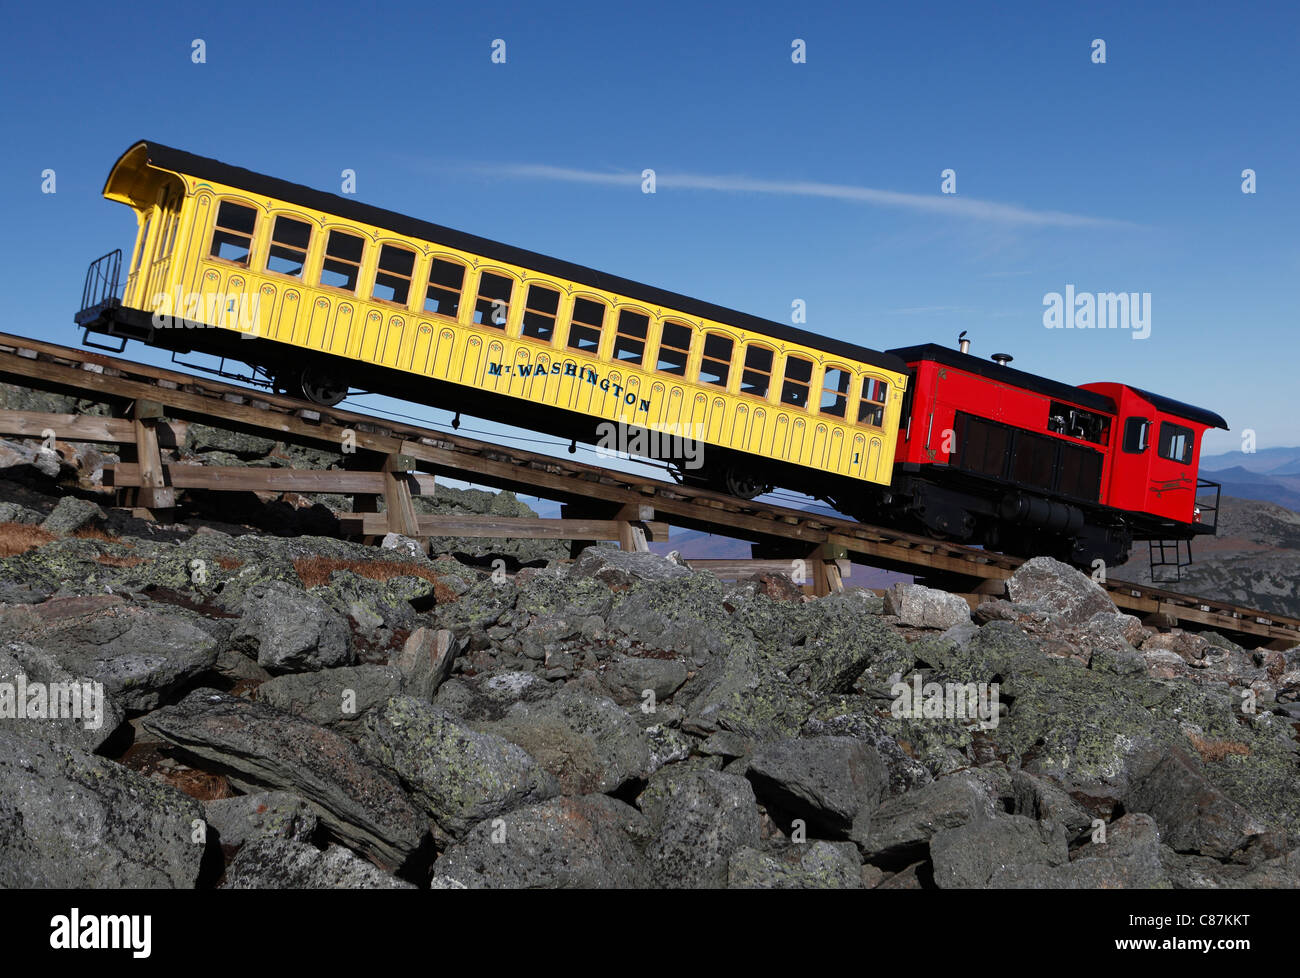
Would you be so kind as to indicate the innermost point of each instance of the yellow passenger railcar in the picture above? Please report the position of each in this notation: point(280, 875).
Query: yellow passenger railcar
point(321, 294)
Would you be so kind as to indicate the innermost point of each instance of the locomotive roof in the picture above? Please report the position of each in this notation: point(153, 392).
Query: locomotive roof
point(995, 371)
point(1053, 388)
point(1180, 410)
point(169, 158)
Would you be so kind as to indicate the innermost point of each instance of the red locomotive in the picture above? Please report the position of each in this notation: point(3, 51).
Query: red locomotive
point(1022, 464)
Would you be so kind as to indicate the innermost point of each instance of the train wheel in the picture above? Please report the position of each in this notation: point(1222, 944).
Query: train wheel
point(737, 480)
point(319, 387)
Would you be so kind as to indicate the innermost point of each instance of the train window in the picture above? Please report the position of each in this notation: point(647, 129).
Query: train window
point(446, 282)
point(629, 338)
point(798, 378)
point(170, 236)
point(585, 325)
point(493, 305)
point(835, 391)
point(342, 266)
point(715, 364)
point(233, 238)
point(871, 407)
point(144, 236)
point(393, 279)
point(1136, 433)
point(289, 240)
point(540, 310)
point(1175, 443)
point(674, 349)
point(171, 212)
point(756, 378)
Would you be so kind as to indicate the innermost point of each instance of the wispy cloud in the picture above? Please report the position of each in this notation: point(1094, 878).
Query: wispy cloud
point(947, 205)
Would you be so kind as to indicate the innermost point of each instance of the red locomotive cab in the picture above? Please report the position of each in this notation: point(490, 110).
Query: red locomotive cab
point(1155, 453)
point(1028, 465)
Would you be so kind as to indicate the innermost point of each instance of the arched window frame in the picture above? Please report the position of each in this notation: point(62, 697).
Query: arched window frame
point(807, 385)
point(821, 376)
point(881, 406)
point(426, 273)
point(259, 221)
point(560, 318)
point(705, 357)
point(375, 271)
point(770, 373)
point(509, 327)
point(313, 241)
point(363, 283)
point(658, 327)
point(570, 307)
point(616, 313)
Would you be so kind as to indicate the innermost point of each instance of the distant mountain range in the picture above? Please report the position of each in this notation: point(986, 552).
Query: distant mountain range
point(1253, 560)
point(1271, 475)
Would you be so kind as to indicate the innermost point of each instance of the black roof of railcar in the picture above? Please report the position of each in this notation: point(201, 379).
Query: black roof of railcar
point(1180, 410)
point(1049, 387)
point(169, 158)
point(1008, 375)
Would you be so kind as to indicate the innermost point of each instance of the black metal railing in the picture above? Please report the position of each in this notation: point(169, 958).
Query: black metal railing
point(102, 288)
point(1206, 514)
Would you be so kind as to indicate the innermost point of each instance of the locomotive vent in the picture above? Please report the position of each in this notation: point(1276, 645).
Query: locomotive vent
point(1002, 359)
point(962, 343)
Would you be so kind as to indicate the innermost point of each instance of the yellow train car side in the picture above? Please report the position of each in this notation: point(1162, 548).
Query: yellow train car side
point(232, 257)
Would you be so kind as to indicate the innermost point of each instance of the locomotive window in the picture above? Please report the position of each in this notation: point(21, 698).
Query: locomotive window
point(585, 325)
point(1175, 443)
point(493, 305)
point(674, 349)
point(289, 239)
point(1077, 423)
point(871, 407)
point(342, 266)
point(393, 279)
point(540, 310)
point(756, 378)
point(233, 238)
point(715, 365)
point(798, 377)
point(835, 391)
point(629, 339)
point(446, 280)
point(1136, 433)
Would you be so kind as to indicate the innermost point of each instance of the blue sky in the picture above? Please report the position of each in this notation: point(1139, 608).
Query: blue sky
point(776, 181)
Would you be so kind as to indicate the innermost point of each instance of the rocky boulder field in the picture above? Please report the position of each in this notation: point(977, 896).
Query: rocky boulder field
point(281, 708)
point(298, 711)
